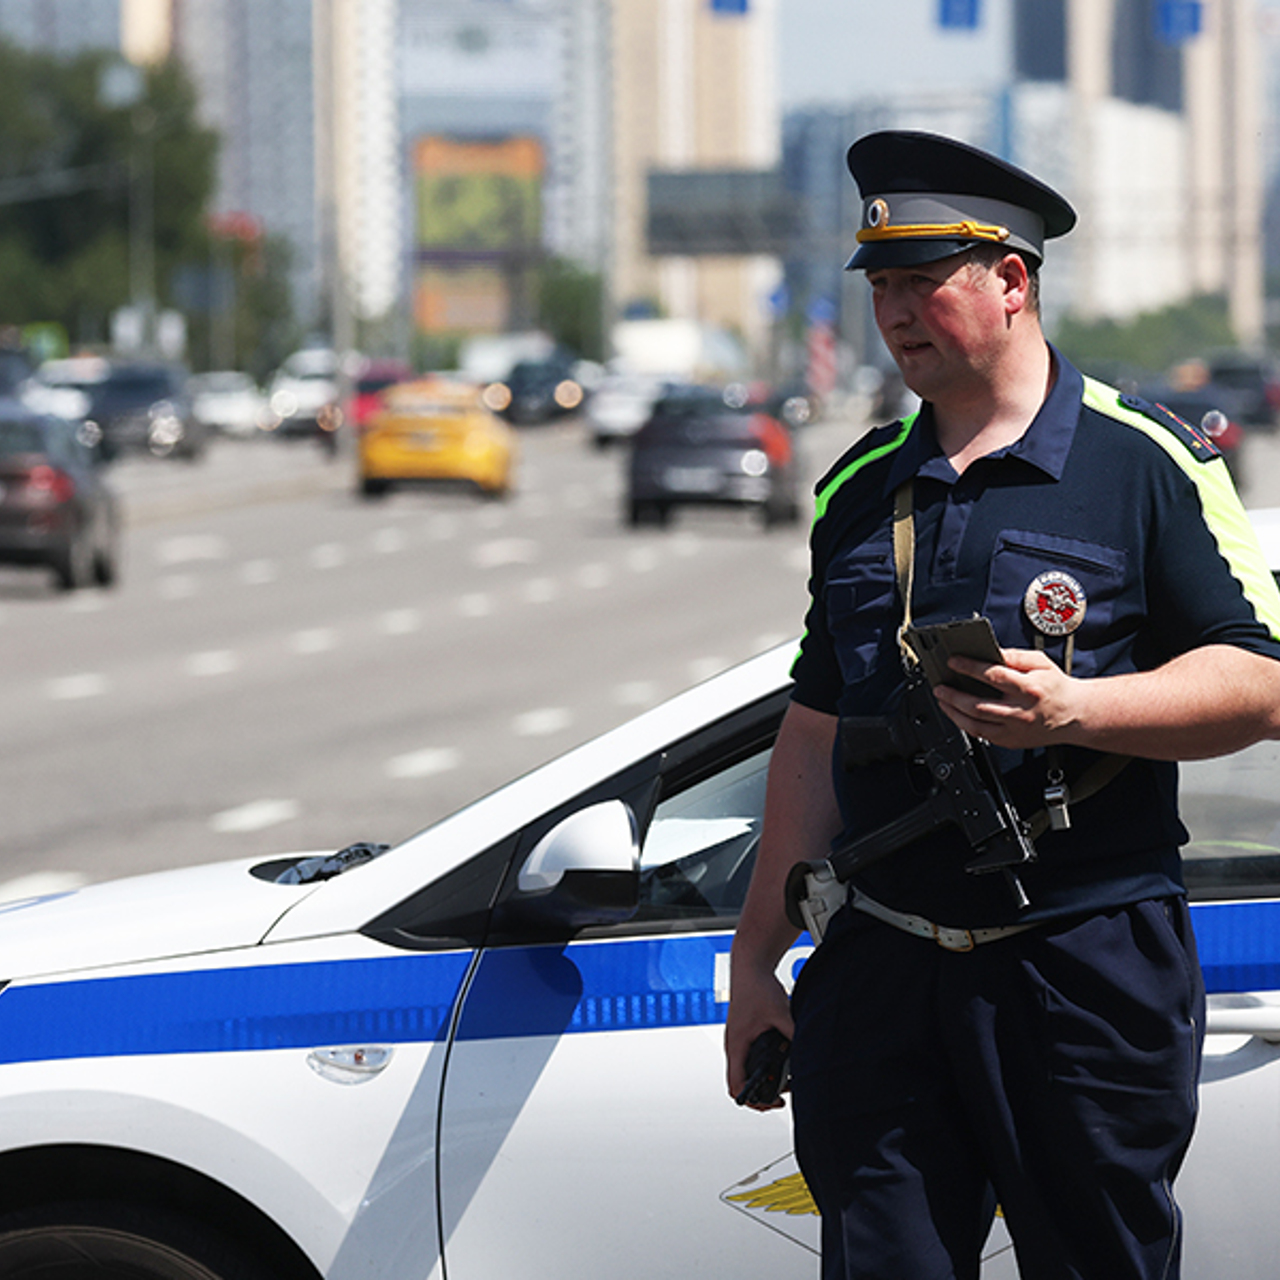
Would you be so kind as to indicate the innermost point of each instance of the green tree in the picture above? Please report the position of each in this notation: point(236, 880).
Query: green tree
point(570, 307)
point(1150, 342)
point(70, 161)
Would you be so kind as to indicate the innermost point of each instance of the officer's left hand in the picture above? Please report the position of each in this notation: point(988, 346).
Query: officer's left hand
point(1034, 706)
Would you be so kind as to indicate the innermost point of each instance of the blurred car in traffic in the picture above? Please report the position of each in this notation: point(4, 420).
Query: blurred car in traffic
point(305, 398)
point(139, 406)
point(431, 431)
point(1254, 382)
point(703, 446)
point(622, 403)
point(537, 390)
point(56, 509)
point(229, 401)
point(374, 377)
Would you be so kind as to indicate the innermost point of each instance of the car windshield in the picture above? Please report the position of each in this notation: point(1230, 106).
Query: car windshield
point(132, 386)
point(20, 437)
point(708, 423)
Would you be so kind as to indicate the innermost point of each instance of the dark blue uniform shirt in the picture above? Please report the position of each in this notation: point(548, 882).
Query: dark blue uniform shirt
point(1138, 509)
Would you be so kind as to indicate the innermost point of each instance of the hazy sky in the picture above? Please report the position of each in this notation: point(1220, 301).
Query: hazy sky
point(831, 52)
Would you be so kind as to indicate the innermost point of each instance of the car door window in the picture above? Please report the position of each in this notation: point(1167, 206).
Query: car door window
point(701, 844)
point(1231, 806)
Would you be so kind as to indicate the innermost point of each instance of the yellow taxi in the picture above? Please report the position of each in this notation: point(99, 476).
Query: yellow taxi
point(435, 429)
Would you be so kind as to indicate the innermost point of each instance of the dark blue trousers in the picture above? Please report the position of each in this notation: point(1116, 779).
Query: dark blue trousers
point(1053, 1072)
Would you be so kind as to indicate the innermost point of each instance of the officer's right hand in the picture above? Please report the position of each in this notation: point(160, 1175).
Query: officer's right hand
point(757, 1002)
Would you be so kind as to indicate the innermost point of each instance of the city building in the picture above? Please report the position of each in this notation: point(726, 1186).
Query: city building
point(62, 26)
point(695, 88)
point(252, 64)
point(1149, 116)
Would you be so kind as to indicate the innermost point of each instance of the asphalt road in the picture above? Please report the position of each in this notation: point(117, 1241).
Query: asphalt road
point(285, 666)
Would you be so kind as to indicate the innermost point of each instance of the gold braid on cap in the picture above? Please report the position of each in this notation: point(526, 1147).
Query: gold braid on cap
point(935, 231)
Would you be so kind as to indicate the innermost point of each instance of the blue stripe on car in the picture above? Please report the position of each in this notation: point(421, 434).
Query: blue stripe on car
point(622, 985)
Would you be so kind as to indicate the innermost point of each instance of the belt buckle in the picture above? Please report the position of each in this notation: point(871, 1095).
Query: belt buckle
point(942, 935)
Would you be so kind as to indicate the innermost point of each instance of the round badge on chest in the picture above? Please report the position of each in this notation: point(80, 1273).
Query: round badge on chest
point(1055, 602)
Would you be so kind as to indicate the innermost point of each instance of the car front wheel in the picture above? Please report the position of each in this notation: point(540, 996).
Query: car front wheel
point(90, 1242)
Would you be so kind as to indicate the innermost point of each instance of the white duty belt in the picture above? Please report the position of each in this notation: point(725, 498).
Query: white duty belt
point(946, 936)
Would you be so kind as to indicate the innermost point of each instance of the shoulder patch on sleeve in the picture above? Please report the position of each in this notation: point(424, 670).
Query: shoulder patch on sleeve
point(1198, 444)
point(874, 445)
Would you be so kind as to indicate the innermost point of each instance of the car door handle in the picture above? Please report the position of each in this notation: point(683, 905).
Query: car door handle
point(1261, 1020)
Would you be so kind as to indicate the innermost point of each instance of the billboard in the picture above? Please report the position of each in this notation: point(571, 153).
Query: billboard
point(477, 230)
point(478, 197)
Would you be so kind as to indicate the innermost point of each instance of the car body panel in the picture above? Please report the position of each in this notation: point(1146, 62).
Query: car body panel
point(187, 912)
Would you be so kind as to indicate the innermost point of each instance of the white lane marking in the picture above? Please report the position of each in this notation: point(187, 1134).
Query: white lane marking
point(701, 669)
point(257, 573)
point(798, 559)
point(500, 551)
point(212, 662)
point(423, 764)
point(388, 541)
point(540, 590)
point(541, 723)
point(686, 545)
point(400, 622)
point(642, 559)
point(254, 816)
point(594, 576)
point(476, 605)
point(314, 640)
point(636, 693)
point(178, 586)
point(88, 684)
point(192, 546)
point(328, 555)
point(41, 884)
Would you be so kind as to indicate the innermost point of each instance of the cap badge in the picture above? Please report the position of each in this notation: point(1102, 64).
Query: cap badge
point(878, 214)
point(1055, 603)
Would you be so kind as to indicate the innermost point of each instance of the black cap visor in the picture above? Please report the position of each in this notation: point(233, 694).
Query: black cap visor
point(907, 253)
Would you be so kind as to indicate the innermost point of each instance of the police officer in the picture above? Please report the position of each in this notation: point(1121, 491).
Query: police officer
point(957, 1044)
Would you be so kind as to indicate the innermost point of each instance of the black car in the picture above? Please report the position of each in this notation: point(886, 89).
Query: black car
point(142, 407)
point(1254, 383)
point(55, 509)
point(708, 447)
point(537, 391)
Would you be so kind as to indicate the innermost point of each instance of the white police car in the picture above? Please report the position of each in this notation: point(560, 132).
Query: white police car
point(474, 1055)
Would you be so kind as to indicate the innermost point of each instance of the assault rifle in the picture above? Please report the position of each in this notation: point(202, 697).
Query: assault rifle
point(965, 790)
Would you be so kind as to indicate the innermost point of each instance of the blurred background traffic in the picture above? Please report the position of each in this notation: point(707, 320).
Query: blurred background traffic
point(395, 392)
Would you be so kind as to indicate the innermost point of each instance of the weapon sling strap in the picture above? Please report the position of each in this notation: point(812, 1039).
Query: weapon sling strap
point(1097, 775)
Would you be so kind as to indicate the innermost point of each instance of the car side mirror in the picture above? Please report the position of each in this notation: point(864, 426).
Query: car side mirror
point(584, 871)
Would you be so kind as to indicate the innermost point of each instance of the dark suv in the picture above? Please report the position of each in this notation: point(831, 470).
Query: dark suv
point(707, 447)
